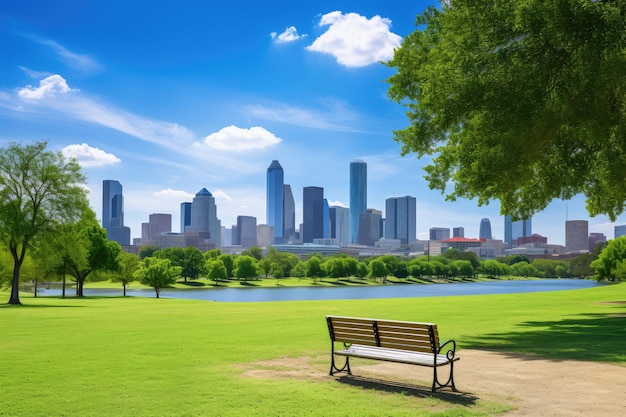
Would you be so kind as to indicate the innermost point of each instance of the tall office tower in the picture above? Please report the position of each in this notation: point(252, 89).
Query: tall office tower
point(264, 235)
point(289, 214)
point(485, 229)
point(370, 227)
point(514, 230)
point(595, 239)
point(326, 221)
point(576, 235)
point(234, 236)
point(312, 213)
point(620, 230)
point(400, 222)
point(274, 196)
point(204, 218)
point(185, 216)
point(439, 233)
point(340, 224)
point(246, 230)
point(458, 232)
point(358, 196)
point(157, 223)
point(113, 212)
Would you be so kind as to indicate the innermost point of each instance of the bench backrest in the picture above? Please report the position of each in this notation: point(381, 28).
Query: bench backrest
point(413, 336)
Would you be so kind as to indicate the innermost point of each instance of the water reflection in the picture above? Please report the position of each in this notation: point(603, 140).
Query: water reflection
point(344, 293)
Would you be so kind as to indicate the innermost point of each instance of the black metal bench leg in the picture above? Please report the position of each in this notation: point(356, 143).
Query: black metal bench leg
point(449, 383)
point(345, 368)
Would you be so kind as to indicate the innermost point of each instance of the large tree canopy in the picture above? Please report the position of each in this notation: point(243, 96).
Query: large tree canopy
point(521, 102)
point(39, 191)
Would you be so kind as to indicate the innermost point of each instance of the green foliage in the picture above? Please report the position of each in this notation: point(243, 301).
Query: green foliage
point(299, 270)
point(547, 268)
point(463, 268)
point(457, 255)
point(611, 264)
point(229, 263)
point(519, 101)
point(216, 270)
point(158, 273)
point(378, 269)
point(128, 264)
point(254, 251)
point(146, 251)
point(245, 267)
point(39, 191)
point(314, 268)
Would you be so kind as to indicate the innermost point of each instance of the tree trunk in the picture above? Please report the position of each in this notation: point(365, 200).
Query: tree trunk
point(15, 282)
point(63, 291)
point(157, 292)
point(36, 288)
point(124, 285)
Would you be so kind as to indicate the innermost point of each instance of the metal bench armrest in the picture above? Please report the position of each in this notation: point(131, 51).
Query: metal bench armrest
point(451, 350)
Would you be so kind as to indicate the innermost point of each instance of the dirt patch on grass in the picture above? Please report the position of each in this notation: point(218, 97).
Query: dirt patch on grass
point(535, 387)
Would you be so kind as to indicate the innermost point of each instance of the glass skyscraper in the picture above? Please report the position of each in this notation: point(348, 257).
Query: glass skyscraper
point(401, 219)
point(289, 213)
point(313, 214)
point(274, 195)
point(358, 196)
point(485, 229)
point(185, 216)
point(113, 212)
point(514, 230)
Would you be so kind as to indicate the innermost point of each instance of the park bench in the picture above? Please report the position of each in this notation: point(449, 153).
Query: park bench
point(389, 340)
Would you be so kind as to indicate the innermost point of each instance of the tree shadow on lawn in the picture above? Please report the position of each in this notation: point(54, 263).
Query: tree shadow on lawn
point(192, 283)
point(453, 397)
point(590, 337)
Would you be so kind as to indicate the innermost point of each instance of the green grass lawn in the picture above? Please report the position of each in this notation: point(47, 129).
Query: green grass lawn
point(167, 357)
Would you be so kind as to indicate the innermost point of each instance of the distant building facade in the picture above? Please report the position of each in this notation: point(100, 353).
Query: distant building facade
point(289, 214)
point(458, 231)
point(312, 214)
point(401, 219)
point(576, 235)
point(185, 216)
point(113, 212)
point(274, 196)
point(247, 231)
point(439, 233)
point(264, 235)
point(516, 229)
point(485, 229)
point(370, 227)
point(340, 225)
point(595, 239)
point(620, 230)
point(205, 228)
point(358, 197)
point(157, 224)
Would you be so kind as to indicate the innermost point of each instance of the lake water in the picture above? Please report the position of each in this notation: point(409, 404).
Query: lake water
point(345, 293)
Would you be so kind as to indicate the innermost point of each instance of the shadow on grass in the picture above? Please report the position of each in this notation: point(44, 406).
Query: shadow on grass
point(191, 283)
point(407, 389)
point(590, 337)
point(248, 284)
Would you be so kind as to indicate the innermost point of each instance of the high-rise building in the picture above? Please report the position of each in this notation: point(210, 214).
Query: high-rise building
point(358, 196)
point(401, 218)
point(485, 229)
point(158, 223)
point(620, 230)
point(204, 218)
point(275, 190)
point(289, 214)
point(264, 235)
point(595, 239)
point(576, 235)
point(370, 227)
point(312, 213)
point(340, 224)
point(458, 231)
point(516, 229)
point(439, 233)
point(113, 212)
point(185, 216)
point(246, 230)
point(326, 227)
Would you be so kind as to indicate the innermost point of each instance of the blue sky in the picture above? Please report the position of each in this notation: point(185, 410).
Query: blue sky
point(171, 97)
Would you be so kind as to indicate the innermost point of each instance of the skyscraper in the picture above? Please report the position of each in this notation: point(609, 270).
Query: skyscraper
point(289, 214)
point(514, 230)
point(358, 196)
point(274, 196)
point(312, 213)
point(158, 223)
point(113, 212)
point(204, 218)
point(401, 218)
point(246, 230)
point(340, 224)
point(185, 216)
point(576, 235)
point(439, 233)
point(458, 231)
point(485, 229)
point(370, 227)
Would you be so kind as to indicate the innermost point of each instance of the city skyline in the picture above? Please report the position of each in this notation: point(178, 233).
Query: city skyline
point(169, 109)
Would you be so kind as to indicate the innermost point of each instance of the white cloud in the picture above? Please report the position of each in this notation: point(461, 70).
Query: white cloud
point(48, 87)
point(34, 74)
point(354, 40)
point(79, 61)
point(88, 156)
point(221, 195)
point(289, 35)
point(337, 203)
point(233, 138)
point(336, 116)
point(174, 194)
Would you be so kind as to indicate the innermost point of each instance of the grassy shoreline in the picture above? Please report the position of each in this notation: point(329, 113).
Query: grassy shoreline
point(118, 356)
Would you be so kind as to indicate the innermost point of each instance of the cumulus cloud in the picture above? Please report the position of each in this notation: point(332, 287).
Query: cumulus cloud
point(289, 35)
point(48, 87)
point(355, 40)
point(88, 156)
point(337, 203)
point(174, 194)
point(221, 195)
point(233, 138)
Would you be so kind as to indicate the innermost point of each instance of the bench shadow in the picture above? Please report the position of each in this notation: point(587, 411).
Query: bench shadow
point(597, 337)
point(453, 397)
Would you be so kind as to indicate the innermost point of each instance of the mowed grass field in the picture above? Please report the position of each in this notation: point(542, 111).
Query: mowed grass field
point(168, 357)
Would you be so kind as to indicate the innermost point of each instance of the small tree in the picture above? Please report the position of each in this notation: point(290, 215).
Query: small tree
point(314, 268)
point(299, 270)
point(277, 271)
point(216, 270)
point(378, 269)
point(245, 267)
point(229, 263)
point(611, 263)
point(157, 273)
point(128, 264)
